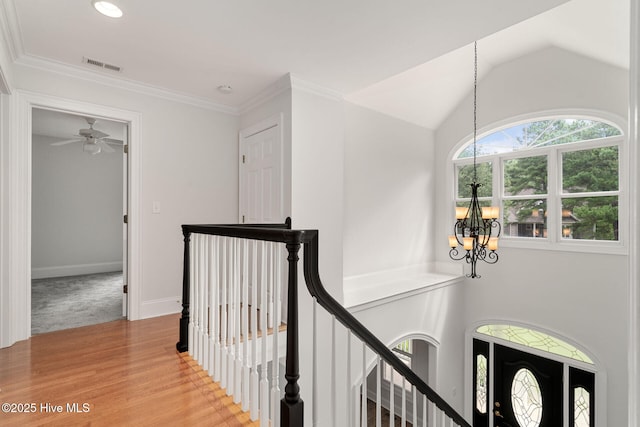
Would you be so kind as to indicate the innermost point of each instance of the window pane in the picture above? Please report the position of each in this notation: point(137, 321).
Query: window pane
point(525, 176)
point(525, 218)
point(526, 399)
point(539, 134)
point(581, 407)
point(484, 177)
point(590, 218)
point(481, 383)
point(534, 339)
point(590, 170)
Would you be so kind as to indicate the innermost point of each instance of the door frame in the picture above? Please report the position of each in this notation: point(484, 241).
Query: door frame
point(20, 164)
point(596, 368)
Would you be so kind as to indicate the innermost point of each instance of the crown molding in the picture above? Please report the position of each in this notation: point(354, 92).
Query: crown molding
point(10, 29)
point(276, 88)
point(66, 70)
point(287, 82)
point(314, 88)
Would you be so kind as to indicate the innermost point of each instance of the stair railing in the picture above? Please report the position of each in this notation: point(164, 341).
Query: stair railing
point(225, 266)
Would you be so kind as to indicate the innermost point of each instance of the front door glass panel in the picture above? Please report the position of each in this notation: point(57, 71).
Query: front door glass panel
point(526, 399)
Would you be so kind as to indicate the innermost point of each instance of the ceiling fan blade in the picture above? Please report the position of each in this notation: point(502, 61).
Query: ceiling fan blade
point(68, 141)
point(111, 141)
point(105, 147)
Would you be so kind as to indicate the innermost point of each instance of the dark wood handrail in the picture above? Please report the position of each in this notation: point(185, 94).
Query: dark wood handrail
point(314, 284)
point(291, 404)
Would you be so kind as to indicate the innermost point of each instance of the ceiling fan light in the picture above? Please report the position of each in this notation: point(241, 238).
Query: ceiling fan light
point(107, 8)
point(91, 148)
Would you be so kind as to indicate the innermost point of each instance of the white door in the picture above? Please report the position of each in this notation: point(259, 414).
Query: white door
point(261, 173)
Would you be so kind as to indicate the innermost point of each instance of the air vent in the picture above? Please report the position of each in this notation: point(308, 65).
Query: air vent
point(101, 64)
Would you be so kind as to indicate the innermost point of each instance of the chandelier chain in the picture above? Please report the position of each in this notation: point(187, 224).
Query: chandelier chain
point(475, 106)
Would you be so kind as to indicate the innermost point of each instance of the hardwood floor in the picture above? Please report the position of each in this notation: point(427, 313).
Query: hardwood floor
point(119, 373)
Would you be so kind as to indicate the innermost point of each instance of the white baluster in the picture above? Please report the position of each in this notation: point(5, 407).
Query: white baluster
point(414, 396)
point(379, 365)
point(245, 324)
point(201, 300)
point(212, 304)
point(196, 289)
point(392, 395)
point(270, 292)
point(433, 413)
point(237, 388)
point(205, 303)
point(231, 293)
point(424, 410)
point(217, 308)
point(364, 385)
point(254, 383)
point(348, 382)
point(404, 402)
point(223, 316)
point(275, 368)
point(334, 379)
point(264, 381)
point(314, 364)
point(191, 332)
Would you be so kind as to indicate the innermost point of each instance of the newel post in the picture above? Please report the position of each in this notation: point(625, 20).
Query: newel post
point(291, 406)
point(183, 344)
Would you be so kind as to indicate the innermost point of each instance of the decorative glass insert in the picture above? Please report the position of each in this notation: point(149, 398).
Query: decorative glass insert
point(541, 133)
point(526, 399)
point(481, 384)
point(534, 339)
point(581, 407)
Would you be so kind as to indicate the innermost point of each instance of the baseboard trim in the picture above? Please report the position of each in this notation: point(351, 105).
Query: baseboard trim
point(75, 270)
point(160, 307)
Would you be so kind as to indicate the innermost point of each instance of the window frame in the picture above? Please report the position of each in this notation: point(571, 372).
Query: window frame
point(555, 193)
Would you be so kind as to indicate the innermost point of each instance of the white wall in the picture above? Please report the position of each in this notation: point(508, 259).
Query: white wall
point(188, 163)
point(579, 296)
point(278, 103)
point(76, 221)
point(437, 314)
point(388, 193)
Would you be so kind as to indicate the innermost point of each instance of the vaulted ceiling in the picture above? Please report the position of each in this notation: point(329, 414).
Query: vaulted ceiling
point(411, 59)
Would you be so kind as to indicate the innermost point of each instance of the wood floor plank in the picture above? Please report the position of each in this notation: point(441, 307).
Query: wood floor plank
point(119, 373)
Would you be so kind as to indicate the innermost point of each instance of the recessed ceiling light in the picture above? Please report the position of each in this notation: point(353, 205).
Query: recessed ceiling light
point(107, 8)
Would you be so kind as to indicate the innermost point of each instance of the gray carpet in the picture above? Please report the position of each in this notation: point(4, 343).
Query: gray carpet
point(69, 302)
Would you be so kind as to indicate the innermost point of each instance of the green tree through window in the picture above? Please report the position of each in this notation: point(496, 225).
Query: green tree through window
point(588, 177)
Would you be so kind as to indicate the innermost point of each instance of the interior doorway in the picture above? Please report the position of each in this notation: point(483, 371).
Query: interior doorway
point(79, 237)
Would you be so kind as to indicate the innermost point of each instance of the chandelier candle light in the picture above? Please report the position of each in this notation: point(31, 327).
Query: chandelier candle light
point(477, 228)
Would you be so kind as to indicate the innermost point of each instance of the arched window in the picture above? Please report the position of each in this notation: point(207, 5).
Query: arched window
point(556, 180)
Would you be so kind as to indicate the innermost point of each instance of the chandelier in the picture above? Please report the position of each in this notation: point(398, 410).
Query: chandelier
point(477, 228)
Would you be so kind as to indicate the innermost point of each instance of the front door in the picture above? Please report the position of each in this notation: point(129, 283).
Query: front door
point(528, 389)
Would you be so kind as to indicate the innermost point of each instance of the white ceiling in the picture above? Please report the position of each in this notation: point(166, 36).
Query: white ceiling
point(411, 59)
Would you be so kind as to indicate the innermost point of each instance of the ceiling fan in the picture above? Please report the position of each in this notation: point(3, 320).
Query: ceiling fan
point(93, 140)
